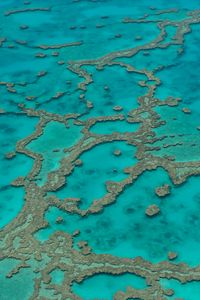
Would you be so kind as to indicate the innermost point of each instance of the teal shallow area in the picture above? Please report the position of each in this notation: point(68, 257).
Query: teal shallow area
point(113, 126)
point(20, 286)
point(170, 33)
point(174, 79)
point(55, 138)
point(88, 181)
point(56, 135)
point(107, 285)
point(189, 291)
point(46, 83)
point(12, 130)
point(123, 229)
point(152, 59)
point(114, 86)
point(179, 128)
point(11, 203)
point(57, 276)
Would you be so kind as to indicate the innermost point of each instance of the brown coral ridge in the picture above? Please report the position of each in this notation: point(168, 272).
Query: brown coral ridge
point(72, 44)
point(29, 9)
point(78, 265)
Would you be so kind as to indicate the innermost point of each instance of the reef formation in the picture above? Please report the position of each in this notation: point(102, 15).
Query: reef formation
point(70, 123)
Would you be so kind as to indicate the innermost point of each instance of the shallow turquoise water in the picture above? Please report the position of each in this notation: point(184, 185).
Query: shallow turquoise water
point(56, 136)
point(170, 33)
point(20, 286)
point(13, 129)
point(121, 229)
point(57, 276)
point(88, 182)
point(107, 285)
point(116, 126)
point(174, 229)
point(155, 58)
point(182, 290)
point(11, 204)
point(122, 89)
point(179, 128)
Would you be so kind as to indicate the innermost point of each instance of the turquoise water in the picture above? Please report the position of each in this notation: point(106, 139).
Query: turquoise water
point(182, 290)
point(122, 90)
point(175, 229)
point(57, 276)
point(20, 286)
point(149, 59)
point(98, 77)
point(170, 33)
point(88, 182)
point(107, 285)
point(13, 129)
point(116, 126)
point(56, 136)
point(11, 204)
point(179, 128)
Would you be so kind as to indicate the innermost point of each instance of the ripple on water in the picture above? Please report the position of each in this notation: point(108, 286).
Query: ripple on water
point(179, 128)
